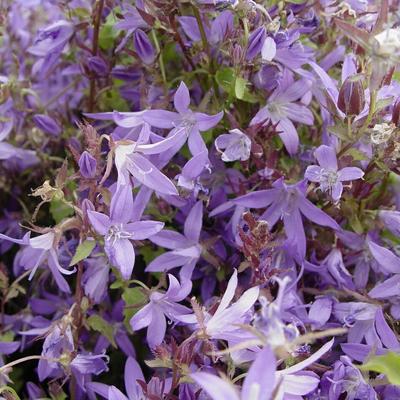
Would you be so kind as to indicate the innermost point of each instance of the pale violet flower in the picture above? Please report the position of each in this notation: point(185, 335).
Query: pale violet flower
point(233, 146)
point(327, 173)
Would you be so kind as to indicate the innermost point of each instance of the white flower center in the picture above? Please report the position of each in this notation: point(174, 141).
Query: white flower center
point(116, 232)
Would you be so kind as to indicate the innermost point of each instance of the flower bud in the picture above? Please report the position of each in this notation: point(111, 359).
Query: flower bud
point(237, 54)
point(87, 165)
point(143, 47)
point(351, 98)
point(47, 124)
point(256, 42)
point(97, 65)
point(396, 113)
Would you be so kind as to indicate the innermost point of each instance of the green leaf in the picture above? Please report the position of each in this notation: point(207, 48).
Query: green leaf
point(83, 251)
point(100, 325)
point(225, 78)
point(388, 364)
point(59, 210)
point(9, 392)
point(108, 34)
point(240, 87)
point(134, 299)
point(356, 154)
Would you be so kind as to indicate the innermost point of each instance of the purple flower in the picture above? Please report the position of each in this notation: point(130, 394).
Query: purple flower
point(161, 306)
point(192, 122)
point(233, 146)
point(328, 175)
point(283, 108)
point(118, 231)
point(224, 323)
point(52, 39)
point(287, 202)
point(38, 250)
point(130, 160)
point(186, 248)
point(134, 390)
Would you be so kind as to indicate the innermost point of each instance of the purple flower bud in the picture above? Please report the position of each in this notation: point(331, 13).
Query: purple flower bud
point(396, 113)
point(87, 165)
point(237, 54)
point(47, 124)
point(97, 65)
point(143, 47)
point(351, 98)
point(256, 41)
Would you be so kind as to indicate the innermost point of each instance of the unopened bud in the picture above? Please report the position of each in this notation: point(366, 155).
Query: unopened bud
point(396, 113)
point(97, 65)
point(256, 41)
point(237, 54)
point(87, 165)
point(351, 98)
point(47, 124)
point(143, 47)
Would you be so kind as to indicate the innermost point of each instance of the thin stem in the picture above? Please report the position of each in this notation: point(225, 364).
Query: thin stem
point(160, 59)
point(22, 360)
point(95, 48)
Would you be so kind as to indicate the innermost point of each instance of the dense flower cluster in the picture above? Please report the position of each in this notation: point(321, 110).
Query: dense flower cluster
point(200, 199)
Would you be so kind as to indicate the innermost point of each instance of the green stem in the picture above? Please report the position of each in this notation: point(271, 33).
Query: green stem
point(160, 59)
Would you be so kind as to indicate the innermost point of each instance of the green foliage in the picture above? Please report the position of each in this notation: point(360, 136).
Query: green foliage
point(83, 251)
point(98, 324)
point(59, 210)
point(234, 85)
point(134, 299)
point(108, 34)
point(388, 364)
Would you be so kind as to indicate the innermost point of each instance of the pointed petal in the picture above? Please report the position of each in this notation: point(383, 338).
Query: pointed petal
point(121, 204)
point(259, 199)
point(99, 221)
point(182, 99)
point(215, 387)
point(167, 261)
point(314, 214)
point(170, 239)
point(229, 293)
point(163, 145)
point(157, 328)
point(288, 134)
point(295, 232)
point(299, 384)
point(148, 174)
point(194, 222)
point(390, 287)
point(132, 374)
point(326, 157)
point(261, 376)
point(141, 230)
point(124, 257)
point(161, 118)
point(196, 143)
point(206, 122)
point(388, 261)
point(115, 394)
point(142, 318)
point(350, 173)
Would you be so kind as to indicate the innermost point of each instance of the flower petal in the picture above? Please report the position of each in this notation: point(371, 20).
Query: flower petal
point(182, 99)
point(215, 387)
